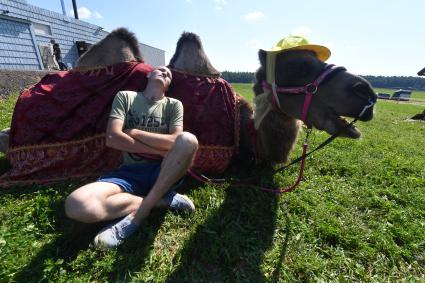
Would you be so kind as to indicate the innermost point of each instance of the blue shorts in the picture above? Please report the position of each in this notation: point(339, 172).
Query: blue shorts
point(138, 178)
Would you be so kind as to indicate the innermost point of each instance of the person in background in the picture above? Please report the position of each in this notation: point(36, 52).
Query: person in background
point(57, 53)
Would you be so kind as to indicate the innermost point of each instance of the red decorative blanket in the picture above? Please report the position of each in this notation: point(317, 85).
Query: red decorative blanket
point(58, 125)
point(211, 113)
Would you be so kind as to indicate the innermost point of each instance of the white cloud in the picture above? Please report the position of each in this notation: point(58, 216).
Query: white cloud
point(84, 13)
point(303, 31)
point(97, 15)
point(254, 16)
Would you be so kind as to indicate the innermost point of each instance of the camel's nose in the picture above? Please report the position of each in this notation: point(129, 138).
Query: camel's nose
point(364, 90)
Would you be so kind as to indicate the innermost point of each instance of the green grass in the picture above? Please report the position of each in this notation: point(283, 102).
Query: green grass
point(245, 90)
point(359, 216)
point(6, 110)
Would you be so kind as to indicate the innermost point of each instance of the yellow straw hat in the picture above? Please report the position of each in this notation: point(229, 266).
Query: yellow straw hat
point(292, 42)
point(295, 42)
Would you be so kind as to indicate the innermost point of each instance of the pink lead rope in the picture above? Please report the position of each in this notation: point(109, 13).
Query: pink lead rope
point(300, 175)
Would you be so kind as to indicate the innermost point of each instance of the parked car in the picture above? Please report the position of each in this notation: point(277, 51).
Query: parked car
point(401, 95)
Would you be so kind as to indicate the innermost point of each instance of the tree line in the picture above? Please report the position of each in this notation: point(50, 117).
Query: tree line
point(394, 82)
point(238, 77)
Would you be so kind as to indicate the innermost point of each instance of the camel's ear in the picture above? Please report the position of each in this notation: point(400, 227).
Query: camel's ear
point(262, 55)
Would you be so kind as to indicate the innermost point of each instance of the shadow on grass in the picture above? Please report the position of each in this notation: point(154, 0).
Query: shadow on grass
point(278, 269)
point(77, 239)
point(49, 217)
point(138, 246)
point(4, 164)
point(230, 245)
point(64, 248)
point(74, 238)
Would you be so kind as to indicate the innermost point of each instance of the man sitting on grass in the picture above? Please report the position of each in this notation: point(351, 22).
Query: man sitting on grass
point(146, 123)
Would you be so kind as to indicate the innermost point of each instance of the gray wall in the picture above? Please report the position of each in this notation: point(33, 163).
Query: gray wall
point(17, 50)
point(19, 39)
point(153, 56)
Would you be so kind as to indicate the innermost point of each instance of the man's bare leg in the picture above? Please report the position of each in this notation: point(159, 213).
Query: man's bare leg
point(174, 166)
point(100, 201)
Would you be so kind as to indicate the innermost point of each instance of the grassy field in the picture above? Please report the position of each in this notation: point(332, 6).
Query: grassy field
point(358, 217)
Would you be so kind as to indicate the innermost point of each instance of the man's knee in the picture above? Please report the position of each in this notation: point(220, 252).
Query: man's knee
point(187, 143)
point(73, 207)
point(77, 208)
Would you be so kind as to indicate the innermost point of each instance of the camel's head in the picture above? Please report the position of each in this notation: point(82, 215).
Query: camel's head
point(341, 94)
point(190, 56)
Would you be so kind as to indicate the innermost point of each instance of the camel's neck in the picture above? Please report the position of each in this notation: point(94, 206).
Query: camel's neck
point(276, 137)
point(277, 131)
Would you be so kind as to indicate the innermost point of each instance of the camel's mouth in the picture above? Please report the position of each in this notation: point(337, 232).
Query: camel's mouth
point(338, 124)
point(347, 130)
point(365, 115)
point(341, 125)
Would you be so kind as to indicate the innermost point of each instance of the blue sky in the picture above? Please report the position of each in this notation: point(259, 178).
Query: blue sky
point(368, 37)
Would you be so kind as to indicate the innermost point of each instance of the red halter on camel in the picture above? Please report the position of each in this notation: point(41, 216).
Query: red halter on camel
point(309, 90)
point(288, 44)
point(270, 95)
point(270, 87)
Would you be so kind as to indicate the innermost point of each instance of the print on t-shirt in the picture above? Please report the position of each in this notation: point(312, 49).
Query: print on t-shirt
point(145, 122)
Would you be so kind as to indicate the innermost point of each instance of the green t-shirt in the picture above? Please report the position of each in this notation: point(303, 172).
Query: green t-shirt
point(141, 113)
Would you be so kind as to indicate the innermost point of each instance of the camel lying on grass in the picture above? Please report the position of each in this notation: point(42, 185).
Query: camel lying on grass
point(283, 80)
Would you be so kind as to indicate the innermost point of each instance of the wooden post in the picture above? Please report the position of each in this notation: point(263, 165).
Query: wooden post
point(74, 5)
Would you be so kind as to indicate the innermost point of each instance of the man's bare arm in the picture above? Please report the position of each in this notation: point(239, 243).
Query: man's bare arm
point(158, 141)
point(117, 139)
